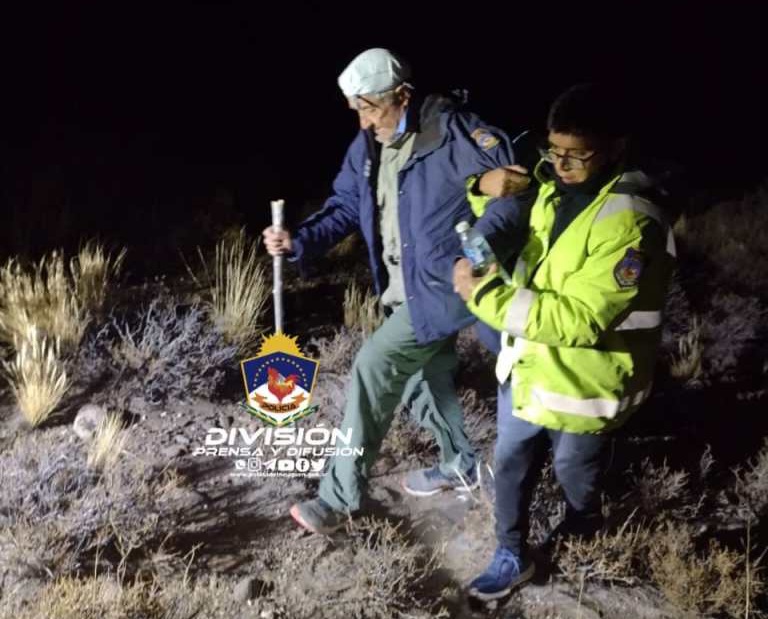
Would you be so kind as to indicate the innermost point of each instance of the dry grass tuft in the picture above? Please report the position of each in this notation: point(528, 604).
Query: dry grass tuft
point(751, 486)
point(43, 297)
point(37, 376)
point(349, 248)
point(336, 354)
point(687, 364)
point(58, 514)
point(663, 492)
point(106, 597)
point(108, 443)
point(712, 580)
point(718, 580)
point(237, 290)
point(616, 558)
point(361, 309)
point(92, 270)
point(167, 350)
point(103, 598)
point(378, 574)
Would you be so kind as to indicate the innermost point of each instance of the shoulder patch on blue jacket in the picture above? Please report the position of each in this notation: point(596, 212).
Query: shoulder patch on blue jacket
point(628, 270)
point(484, 138)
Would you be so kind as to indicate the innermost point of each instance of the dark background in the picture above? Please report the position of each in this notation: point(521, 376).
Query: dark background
point(159, 127)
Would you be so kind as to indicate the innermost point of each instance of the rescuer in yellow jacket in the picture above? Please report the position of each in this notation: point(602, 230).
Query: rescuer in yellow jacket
point(580, 320)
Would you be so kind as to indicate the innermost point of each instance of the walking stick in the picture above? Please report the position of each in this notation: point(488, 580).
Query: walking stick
point(277, 267)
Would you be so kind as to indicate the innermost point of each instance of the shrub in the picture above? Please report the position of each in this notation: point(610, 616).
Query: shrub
point(37, 376)
point(58, 514)
point(662, 492)
point(167, 351)
point(617, 557)
point(751, 486)
point(730, 327)
point(44, 298)
point(104, 450)
point(92, 270)
point(378, 574)
point(718, 580)
point(237, 291)
point(686, 365)
point(361, 309)
point(336, 354)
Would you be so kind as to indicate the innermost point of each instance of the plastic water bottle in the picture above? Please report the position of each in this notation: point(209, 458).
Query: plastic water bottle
point(477, 250)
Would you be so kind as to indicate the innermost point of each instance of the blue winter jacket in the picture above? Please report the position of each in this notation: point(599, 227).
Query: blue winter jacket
point(450, 146)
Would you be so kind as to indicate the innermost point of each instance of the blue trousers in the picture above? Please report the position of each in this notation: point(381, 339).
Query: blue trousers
point(520, 447)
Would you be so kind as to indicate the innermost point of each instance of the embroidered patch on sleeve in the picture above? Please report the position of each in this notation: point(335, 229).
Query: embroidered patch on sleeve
point(627, 272)
point(484, 138)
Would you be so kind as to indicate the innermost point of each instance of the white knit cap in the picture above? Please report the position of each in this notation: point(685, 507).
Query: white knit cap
point(375, 70)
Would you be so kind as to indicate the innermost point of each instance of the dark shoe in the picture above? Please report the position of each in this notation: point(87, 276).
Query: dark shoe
point(426, 482)
point(506, 571)
point(317, 516)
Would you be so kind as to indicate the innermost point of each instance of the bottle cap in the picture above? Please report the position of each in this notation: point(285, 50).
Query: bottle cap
point(462, 226)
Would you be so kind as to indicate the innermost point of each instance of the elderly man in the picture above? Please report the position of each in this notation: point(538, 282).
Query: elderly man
point(581, 317)
point(403, 186)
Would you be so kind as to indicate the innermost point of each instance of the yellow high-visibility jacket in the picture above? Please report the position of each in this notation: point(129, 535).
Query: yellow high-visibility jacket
point(581, 319)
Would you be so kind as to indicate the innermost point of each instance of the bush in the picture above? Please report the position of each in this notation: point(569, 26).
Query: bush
point(44, 298)
point(717, 580)
point(166, 351)
point(92, 270)
point(362, 310)
point(337, 353)
point(686, 365)
point(378, 574)
point(751, 487)
point(37, 376)
point(730, 329)
point(237, 291)
point(105, 597)
point(58, 513)
point(663, 493)
point(616, 558)
point(108, 442)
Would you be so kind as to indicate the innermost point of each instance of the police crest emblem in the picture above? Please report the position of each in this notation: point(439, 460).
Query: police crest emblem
point(279, 381)
point(628, 270)
point(484, 138)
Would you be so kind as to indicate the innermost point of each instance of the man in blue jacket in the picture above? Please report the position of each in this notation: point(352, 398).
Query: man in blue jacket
point(403, 186)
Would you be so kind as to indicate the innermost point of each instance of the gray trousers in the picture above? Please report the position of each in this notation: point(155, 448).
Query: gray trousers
point(392, 367)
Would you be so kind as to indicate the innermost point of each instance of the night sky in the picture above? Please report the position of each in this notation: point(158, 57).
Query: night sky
point(132, 122)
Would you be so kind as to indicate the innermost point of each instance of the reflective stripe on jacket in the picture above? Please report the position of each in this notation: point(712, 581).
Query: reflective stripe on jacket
point(581, 320)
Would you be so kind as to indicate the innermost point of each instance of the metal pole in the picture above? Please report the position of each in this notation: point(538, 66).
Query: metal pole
point(277, 267)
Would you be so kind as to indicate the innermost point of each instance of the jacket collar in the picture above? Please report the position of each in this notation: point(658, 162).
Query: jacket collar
point(427, 118)
point(424, 117)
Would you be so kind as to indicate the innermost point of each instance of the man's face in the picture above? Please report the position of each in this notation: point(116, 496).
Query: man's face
point(380, 114)
point(576, 158)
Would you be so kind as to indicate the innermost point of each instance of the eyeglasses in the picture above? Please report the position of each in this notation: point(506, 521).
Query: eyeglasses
point(574, 163)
